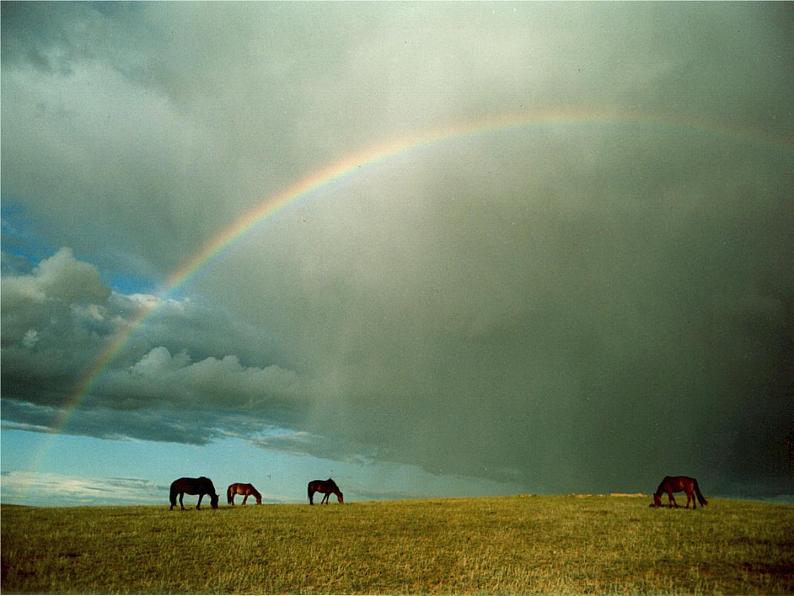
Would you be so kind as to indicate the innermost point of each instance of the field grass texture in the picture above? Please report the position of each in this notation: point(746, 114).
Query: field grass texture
point(550, 544)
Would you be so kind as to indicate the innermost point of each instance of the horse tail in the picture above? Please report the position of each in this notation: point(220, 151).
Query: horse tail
point(172, 494)
point(229, 494)
point(310, 492)
point(701, 499)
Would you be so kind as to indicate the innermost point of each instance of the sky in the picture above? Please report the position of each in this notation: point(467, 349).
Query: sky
point(428, 249)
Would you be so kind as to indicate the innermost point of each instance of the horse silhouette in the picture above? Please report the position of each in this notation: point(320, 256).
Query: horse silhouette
point(239, 488)
point(324, 486)
point(193, 486)
point(678, 484)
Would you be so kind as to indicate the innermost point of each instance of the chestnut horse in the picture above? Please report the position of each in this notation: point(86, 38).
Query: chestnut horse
point(193, 486)
point(248, 490)
point(327, 487)
point(678, 484)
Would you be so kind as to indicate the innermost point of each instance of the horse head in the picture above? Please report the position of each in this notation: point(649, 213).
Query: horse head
point(657, 501)
point(214, 500)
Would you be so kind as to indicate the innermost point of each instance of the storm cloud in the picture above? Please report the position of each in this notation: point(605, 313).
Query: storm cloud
point(567, 305)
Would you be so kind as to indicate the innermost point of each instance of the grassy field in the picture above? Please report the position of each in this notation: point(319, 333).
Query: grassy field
point(508, 544)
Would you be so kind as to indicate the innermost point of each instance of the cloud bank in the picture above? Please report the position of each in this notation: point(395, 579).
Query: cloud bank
point(40, 488)
point(59, 318)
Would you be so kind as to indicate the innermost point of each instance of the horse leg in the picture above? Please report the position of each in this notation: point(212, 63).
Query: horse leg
point(691, 497)
point(671, 500)
point(326, 497)
point(245, 498)
point(198, 505)
point(181, 496)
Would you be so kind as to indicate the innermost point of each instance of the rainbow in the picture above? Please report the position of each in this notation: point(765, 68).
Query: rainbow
point(310, 184)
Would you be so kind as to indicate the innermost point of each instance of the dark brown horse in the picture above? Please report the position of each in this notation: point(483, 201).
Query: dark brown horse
point(678, 484)
point(248, 490)
point(327, 487)
point(193, 486)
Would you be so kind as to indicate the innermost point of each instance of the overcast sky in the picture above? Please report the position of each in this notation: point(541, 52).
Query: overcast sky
point(581, 304)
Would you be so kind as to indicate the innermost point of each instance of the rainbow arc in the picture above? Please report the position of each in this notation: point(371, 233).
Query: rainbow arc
point(311, 185)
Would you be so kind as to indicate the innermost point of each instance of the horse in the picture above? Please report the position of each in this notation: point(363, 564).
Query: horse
point(193, 486)
point(678, 484)
point(238, 488)
point(327, 487)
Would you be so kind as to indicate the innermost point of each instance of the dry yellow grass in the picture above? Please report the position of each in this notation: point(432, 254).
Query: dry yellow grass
point(489, 545)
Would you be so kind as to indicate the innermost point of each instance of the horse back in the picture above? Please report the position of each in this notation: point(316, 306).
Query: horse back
point(317, 486)
point(682, 483)
point(206, 485)
point(676, 484)
point(178, 485)
point(193, 486)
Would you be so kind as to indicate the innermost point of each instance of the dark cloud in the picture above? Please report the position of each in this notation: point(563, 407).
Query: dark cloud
point(567, 306)
point(563, 329)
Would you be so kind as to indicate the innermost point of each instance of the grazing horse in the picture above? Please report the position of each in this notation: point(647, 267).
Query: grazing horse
point(193, 486)
point(678, 484)
point(324, 486)
point(238, 488)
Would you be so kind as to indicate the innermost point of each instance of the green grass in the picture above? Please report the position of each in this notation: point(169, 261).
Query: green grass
point(488, 545)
